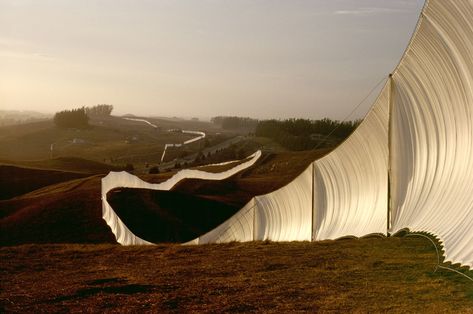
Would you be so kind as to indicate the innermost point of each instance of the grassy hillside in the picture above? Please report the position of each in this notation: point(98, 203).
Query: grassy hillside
point(69, 212)
point(108, 139)
point(68, 164)
point(15, 181)
point(352, 275)
point(394, 275)
point(98, 142)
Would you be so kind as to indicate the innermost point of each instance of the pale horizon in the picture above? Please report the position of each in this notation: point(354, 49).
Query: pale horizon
point(261, 59)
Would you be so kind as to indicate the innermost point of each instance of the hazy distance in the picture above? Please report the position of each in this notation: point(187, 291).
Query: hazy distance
point(257, 58)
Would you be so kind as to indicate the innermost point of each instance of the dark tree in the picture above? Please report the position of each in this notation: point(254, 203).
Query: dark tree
point(99, 110)
point(233, 123)
point(75, 118)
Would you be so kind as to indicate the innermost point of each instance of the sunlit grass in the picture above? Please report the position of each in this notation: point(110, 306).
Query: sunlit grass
point(368, 275)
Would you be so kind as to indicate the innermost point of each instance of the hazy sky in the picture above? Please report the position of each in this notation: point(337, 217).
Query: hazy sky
point(259, 58)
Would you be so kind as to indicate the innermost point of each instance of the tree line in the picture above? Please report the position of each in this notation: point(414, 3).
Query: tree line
point(235, 123)
point(293, 134)
point(79, 118)
point(304, 134)
point(75, 118)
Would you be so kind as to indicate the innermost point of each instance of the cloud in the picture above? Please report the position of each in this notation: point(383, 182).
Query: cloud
point(25, 55)
point(11, 42)
point(20, 49)
point(368, 11)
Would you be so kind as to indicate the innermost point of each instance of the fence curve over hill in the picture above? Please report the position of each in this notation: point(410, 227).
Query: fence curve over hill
point(409, 165)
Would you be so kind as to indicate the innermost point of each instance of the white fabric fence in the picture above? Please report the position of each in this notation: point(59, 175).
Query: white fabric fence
point(432, 125)
point(408, 165)
point(123, 179)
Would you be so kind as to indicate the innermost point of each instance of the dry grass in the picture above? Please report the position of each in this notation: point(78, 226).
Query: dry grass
point(367, 275)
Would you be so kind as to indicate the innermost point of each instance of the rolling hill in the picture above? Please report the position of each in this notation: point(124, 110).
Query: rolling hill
point(16, 181)
point(38, 227)
point(71, 211)
point(111, 140)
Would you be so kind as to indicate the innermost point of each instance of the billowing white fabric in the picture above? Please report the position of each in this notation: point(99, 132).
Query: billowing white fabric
point(286, 214)
point(351, 183)
point(113, 180)
point(419, 131)
point(349, 196)
point(432, 125)
point(264, 217)
point(123, 179)
point(282, 215)
point(240, 227)
point(430, 150)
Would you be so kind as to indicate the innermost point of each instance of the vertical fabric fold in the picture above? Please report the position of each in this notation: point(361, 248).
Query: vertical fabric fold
point(432, 144)
point(351, 183)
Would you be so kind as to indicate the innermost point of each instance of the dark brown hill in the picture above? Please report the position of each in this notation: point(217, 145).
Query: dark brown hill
point(168, 216)
point(15, 181)
point(70, 164)
point(69, 212)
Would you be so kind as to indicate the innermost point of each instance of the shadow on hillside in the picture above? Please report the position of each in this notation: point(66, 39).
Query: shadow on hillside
point(168, 216)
